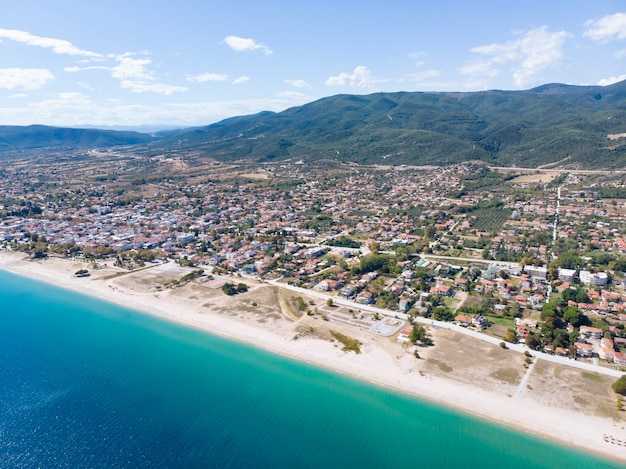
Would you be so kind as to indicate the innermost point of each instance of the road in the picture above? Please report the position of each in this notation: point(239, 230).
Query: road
point(520, 348)
point(572, 171)
point(471, 259)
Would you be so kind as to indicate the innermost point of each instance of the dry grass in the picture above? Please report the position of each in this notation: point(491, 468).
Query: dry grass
point(530, 178)
point(308, 331)
point(473, 362)
point(572, 389)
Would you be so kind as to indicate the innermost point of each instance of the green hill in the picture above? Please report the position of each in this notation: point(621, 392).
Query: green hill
point(45, 137)
point(549, 124)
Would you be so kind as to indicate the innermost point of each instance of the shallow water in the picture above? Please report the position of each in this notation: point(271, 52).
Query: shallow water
point(90, 384)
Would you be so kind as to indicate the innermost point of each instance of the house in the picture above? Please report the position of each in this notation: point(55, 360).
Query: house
point(620, 359)
point(560, 351)
point(564, 286)
point(404, 304)
point(444, 290)
point(463, 320)
point(607, 354)
point(480, 322)
point(522, 331)
point(324, 285)
point(590, 332)
point(584, 350)
point(365, 298)
point(405, 335)
point(461, 282)
point(408, 275)
point(348, 291)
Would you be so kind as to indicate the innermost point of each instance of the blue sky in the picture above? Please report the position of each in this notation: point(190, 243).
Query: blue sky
point(185, 63)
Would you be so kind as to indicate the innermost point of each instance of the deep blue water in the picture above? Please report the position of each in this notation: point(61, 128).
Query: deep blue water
point(88, 384)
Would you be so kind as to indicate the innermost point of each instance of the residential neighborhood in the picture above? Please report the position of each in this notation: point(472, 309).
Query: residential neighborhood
point(540, 259)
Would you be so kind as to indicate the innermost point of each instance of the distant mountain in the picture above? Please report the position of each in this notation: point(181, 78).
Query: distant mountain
point(144, 129)
point(575, 126)
point(44, 137)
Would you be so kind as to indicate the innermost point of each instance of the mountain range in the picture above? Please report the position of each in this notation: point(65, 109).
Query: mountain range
point(15, 138)
point(553, 124)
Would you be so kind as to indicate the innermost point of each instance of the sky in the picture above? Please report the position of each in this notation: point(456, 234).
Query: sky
point(192, 62)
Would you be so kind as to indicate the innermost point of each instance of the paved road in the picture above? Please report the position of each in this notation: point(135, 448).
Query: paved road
point(520, 348)
point(470, 259)
point(546, 170)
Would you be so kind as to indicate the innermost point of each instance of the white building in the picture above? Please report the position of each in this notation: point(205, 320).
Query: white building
point(596, 279)
point(537, 272)
point(567, 275)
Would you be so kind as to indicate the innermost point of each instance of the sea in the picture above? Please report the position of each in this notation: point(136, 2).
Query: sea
point(88, 384)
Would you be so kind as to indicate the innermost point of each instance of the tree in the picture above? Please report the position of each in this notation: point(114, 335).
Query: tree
point(329, 302)
point(620, 264)
point(549, 309)
point(579, 295)
point(441, 313)
point(619, 386)
point(561, 339)
point(574, 316)
point(533, 342)
point(569, 260)
point(511, 336)
point(419, 334)
point(229, 289)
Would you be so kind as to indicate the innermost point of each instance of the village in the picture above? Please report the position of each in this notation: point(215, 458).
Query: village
point(533, 258)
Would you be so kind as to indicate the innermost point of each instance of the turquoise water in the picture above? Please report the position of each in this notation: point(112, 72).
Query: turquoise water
point(89, 384)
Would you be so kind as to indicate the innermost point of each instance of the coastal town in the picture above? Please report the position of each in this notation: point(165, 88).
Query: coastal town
point(503, 286)
point(537, 258)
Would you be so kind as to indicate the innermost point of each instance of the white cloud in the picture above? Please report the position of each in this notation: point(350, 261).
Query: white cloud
point(611, 80)
point(18, 96)
point(24, 78)
point(241, 44)
point(607, 28)
point(298, 83)
point(58, 46)
point(130, 68)
point(529, 55)
point(241, 79)
point(82, 69)
point(135, 76)
point(207, 77)
point(74, 109)
point(620, 54)
point(361, 77)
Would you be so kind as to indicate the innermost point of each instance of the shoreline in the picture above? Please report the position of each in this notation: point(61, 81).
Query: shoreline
point(375, 365)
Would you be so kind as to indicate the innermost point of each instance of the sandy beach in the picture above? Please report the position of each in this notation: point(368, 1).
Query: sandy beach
point(556, 402)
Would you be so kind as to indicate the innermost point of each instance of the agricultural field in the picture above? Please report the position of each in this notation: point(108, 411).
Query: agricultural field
point(490, 218)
